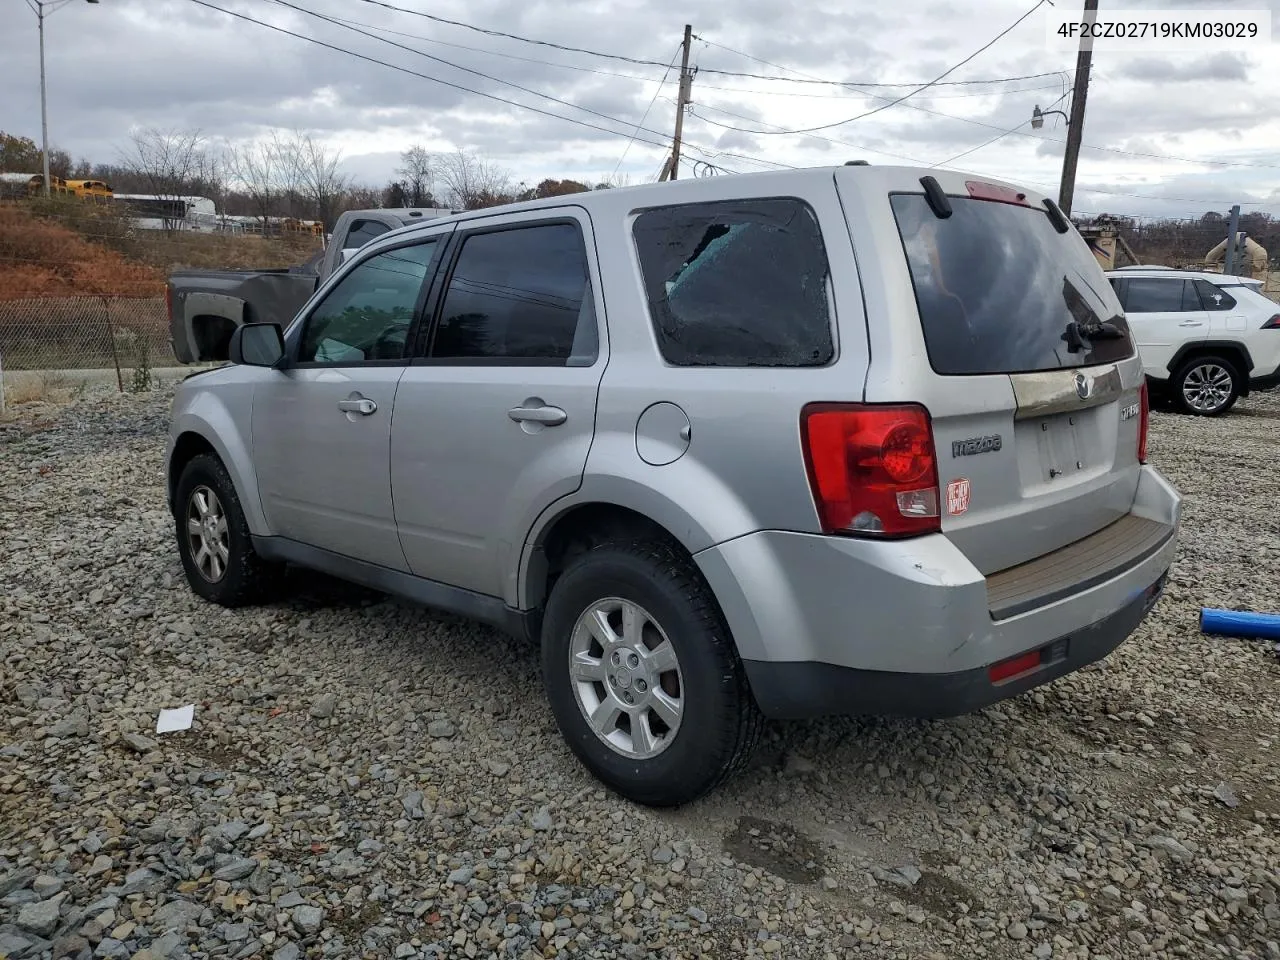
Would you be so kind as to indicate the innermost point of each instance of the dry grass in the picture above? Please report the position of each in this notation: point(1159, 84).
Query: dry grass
point(23, 389)
point(68, 248)
point(39, 258)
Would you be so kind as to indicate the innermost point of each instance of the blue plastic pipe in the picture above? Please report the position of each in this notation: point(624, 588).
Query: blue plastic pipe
point(1233, 623)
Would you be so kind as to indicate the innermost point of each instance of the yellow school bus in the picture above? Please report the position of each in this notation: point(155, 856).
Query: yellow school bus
point(90, 189)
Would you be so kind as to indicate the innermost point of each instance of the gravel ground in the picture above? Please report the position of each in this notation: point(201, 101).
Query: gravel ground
point(368, 779)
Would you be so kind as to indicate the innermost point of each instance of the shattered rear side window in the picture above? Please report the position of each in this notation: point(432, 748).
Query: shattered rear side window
point(740, 283)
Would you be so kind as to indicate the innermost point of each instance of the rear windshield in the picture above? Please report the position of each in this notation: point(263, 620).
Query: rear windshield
point(1001, 291)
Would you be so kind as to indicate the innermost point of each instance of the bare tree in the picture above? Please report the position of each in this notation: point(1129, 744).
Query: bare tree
point(417, 169)
point(171, 163)
point(167, 160)
point(472, 181)
point(313, 168)
point(256, 168)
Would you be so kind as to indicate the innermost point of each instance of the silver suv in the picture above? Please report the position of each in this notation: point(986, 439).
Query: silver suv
point(852, 440)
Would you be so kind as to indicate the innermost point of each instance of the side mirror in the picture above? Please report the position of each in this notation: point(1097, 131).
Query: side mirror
point(257, 345)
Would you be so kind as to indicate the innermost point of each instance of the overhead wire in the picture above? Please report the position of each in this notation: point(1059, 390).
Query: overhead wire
point(447, 83)
point(998, 136)
point(465, 69)
point(924, 86)
point(384, 4)
point(664, 143)
point(1010, 132)
point(645, 115)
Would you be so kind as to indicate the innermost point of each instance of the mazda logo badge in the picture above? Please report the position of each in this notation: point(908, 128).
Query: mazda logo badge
point(1084, 386)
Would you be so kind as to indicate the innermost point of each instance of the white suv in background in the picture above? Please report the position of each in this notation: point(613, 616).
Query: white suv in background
point(1205, 338)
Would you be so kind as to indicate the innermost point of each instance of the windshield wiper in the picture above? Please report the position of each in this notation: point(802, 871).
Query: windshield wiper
point(1077, 333)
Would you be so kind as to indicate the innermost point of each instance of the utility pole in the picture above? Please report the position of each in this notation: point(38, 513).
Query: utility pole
point(1229, 264)
point(38, 6)
point(682, 101)
point(1075, 125)
point(44, 113)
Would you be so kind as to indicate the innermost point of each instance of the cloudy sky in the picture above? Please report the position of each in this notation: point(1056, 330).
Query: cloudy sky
point(179, 64)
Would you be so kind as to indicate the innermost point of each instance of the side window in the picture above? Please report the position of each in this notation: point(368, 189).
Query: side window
point(1214, 297)
point(1159, 295)
point(362, 231)
point(737, 284)
point(366, 316)
point(520, 293)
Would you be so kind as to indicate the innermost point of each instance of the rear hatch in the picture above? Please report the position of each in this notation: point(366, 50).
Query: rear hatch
point(995, 314)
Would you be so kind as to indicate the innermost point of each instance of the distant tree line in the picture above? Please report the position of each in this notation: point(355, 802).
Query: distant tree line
point(1182, 242)
point(286, 174)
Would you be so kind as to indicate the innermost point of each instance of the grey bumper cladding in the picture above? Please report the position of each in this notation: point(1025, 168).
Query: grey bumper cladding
point(798, 690)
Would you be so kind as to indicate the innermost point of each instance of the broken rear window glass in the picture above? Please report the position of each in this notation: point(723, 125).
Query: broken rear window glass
point(740, 283)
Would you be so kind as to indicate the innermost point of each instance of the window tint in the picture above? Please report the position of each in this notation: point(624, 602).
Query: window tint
point(367, 315)
point(1214, 297)
point(1158, 295)
point(521, 293)
point(999, 290)
point(737, 284)
point(362, 231)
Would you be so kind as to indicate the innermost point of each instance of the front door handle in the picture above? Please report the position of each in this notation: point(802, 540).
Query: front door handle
point(535, 412)
point(361, 405)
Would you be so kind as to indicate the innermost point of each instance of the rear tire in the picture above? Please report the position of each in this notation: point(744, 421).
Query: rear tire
point(1206, 386)
point(633, 636)
point(214, 540)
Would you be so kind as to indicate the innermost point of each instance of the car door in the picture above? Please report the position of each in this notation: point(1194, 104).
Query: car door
point(1164, 313)
point(494, 419)
point(322, 425)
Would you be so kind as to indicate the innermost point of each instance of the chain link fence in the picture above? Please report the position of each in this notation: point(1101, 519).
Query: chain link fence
point(127, 334)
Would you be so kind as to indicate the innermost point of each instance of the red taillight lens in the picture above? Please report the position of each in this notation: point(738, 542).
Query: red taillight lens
point(1144, 421)
point(1273, 323)
point(872, 469)
point(1014, 667)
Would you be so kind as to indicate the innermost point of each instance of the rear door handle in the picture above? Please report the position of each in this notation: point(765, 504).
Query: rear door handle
point(361, 405)
point(542, 413)
point(1192, 323)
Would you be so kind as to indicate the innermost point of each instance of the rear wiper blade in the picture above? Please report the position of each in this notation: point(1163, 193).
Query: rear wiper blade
point(1105, 330)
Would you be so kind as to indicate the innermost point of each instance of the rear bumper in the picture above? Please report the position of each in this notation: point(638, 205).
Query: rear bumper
point(797, 690)
point(1267, 381)
point(841, 625)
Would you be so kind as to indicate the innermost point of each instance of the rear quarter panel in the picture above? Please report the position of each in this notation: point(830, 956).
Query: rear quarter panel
point(744, 468)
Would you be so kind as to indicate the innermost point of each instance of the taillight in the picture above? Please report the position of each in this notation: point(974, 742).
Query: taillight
point(872, 469)
point(168, 301)
point(1144, 421)
point(1273, 323)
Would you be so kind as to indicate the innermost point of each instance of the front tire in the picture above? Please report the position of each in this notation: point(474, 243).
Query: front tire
point(214, 541)
point(642, 675)
point(1206, 386)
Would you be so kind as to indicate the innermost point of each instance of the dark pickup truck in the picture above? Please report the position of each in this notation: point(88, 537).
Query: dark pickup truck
point(206, 306)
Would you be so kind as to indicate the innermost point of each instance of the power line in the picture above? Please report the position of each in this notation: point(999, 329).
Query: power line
point(998, 136)
point(423, 76)
point(658, 63)
point(924, 86)
point(753, 91)
point(664, 143)
point(498, 53)
point(471, 70)
point(645, 116)
point(1011, 132)
point(814, 136)
point(758, 92)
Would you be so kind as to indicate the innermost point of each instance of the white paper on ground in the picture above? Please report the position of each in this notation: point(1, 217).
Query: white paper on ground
point(178, 718)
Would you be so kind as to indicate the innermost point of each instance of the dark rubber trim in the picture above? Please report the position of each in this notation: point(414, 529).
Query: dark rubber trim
point(1076, 567)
